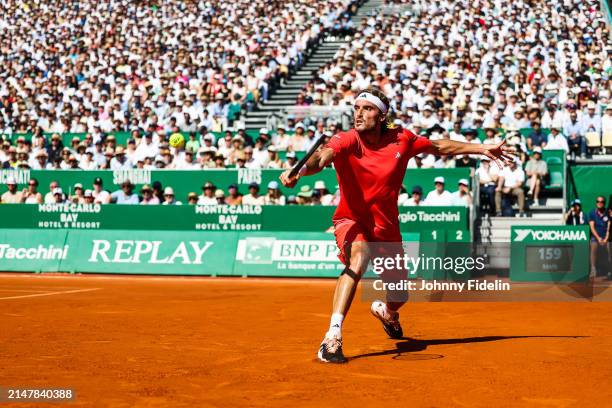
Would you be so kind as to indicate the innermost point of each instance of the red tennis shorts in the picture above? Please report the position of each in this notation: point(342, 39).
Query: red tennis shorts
point(348, 231)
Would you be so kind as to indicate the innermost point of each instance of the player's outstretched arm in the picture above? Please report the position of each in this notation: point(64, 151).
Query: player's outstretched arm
point(499, 153)
point(317, 162)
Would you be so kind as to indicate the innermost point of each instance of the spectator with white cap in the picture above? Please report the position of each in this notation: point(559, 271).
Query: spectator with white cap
point(281, 139)
point(290, 160)
point(48, 198)
point(510, 184)
point(591, 121)
point(439, 196)
point(536, 170)
point(58, 196)
point(77, 197)
point(88, 197)
point(556, 140)
point(274, 160)
point(310, 138)
point(12, 196)
point(298, 140)
point(274, 195)
point(463, 195)
point(220, 197)
point(575, 215)
point(208, 142)
point(325, 196)
point(169, 197)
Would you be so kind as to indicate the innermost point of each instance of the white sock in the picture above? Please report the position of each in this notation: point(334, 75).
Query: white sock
point(335, 325)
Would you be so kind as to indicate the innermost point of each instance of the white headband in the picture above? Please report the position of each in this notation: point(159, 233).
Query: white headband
point(373, 99)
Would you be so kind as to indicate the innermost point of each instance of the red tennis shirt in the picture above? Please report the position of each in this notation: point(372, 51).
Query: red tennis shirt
point(370, 177)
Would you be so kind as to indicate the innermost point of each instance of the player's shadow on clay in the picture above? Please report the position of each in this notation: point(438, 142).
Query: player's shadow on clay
point(410, 345)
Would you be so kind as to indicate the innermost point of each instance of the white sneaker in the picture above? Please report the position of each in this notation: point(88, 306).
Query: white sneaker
point(389, 320)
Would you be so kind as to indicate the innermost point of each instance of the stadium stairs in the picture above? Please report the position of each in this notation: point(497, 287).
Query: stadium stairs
point(492, 234)
point(287, 93)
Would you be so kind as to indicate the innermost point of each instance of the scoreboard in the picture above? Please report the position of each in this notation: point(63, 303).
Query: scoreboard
point(549, 253)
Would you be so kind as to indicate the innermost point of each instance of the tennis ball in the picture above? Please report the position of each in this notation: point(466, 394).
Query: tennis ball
point(176, 140)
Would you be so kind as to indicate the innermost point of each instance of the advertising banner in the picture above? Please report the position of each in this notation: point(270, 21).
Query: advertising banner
point(549, 253)
point(33, 250)
point(211, 218)
point(150, 252)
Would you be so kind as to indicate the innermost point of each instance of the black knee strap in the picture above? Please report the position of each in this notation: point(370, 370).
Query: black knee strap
point(348, 271)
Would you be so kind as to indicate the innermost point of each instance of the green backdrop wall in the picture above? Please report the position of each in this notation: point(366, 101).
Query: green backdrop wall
point(587, 182)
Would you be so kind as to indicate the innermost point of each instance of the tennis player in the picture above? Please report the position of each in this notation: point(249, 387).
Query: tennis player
point(370, 162)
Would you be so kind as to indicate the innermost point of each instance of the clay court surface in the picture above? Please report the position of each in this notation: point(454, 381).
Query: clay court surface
point(124, 342)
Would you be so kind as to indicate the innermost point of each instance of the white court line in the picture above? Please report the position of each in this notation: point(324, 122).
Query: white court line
point(175, 278)
point(49, 293)
point(23, 290)
point(43, 287)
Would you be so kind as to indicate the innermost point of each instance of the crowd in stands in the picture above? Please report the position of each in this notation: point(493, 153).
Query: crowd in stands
point(450, 69)
point(157, 67)
point(152, 69)
point(151, 151)
point(156, 193)
point(488, 64)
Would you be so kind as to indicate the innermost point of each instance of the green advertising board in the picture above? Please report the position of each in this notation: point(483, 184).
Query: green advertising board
point(185, 181)
point(311, 254)
point(549, 253)
point(287, 254)
point(150, 252)
point(33, 250)
point(130, 252)
point(433, 218)
point(211, 218)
